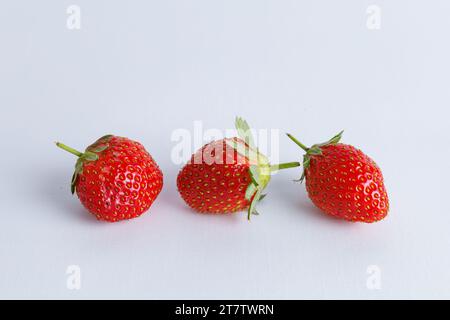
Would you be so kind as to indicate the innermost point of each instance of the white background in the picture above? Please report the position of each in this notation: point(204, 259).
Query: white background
point(142, 69)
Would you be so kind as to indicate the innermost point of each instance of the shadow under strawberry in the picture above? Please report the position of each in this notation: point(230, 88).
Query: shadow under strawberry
point(58, 196)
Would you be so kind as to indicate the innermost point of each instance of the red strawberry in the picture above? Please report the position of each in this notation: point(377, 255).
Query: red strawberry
point(227, 175)
point(115, 178)
point(343, 181)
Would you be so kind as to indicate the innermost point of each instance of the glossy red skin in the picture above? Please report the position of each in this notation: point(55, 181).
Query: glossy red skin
point(347, 184)
point(122, 183)
point(215, 182)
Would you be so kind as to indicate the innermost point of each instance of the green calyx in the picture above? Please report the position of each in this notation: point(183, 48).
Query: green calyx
point(260, 168)
point(314, 150)
point(91, 154)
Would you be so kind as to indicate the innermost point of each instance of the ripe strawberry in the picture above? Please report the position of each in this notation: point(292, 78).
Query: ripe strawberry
point(115, 178)
point(343, 181)
point(227, 175)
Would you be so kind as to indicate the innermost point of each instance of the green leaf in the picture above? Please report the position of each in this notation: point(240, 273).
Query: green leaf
point(78, 170)
point(251, 209)
point(302, 177)
point(262, 196)
point(254, 174)
point(333, 140)
point(100, 148)
point(89, 156)
point(250, 191)
point(72, 184)
point(336, 138)
point(244, 131)
point(106, 137)
point(315, 150)
point(306, 161)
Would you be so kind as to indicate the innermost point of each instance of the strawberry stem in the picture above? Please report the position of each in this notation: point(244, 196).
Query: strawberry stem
point(301, 145)
point(285, 165)
point(69, 149)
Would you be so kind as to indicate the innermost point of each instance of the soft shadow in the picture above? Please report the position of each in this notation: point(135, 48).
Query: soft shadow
point(234, 218)
point(173, 199)
point(295, 194)
point(308, 208)
point(55, 187)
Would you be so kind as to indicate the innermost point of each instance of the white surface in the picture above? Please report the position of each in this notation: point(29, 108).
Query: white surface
point(143, 69)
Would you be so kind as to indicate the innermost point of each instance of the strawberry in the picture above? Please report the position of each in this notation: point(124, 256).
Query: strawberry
point(344, 182)
point(227, 175)
point(115, 178)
